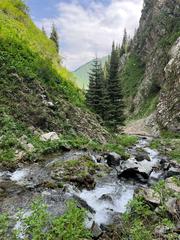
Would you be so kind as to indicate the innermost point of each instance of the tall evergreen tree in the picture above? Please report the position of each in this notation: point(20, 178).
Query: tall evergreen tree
point(124, 46)
point(95, 94)
point(116, 106)
point(54, 37)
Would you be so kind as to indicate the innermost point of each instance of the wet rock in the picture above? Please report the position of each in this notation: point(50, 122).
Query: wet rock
point(173, 171)
point(96, 231)
point(83, 181)
point(106, 197)
point(84, 204)
point(156, 175)
point(99, 159)
point(140, 171)
point(113, 159)
point(141, 155)
point(51, 136)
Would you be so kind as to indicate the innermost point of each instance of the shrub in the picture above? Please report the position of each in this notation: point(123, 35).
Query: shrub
point(38, 224)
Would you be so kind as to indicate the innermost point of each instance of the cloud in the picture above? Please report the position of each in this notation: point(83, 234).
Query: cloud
point(88, 31)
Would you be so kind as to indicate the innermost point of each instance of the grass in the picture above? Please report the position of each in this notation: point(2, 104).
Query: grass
point(42, 225)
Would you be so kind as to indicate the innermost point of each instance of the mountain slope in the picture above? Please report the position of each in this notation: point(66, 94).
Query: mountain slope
point(37, 93)
point(150, 75)
point(82, 76)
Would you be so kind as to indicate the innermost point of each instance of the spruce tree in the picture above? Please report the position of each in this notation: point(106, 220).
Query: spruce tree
point(124, 46)
point(116, 105)
point(54, 37)
point(94, 97)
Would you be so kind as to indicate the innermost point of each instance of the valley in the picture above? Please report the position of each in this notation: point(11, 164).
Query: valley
point(95, 153)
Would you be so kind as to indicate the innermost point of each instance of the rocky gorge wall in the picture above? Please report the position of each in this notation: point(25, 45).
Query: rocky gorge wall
point(158, 48)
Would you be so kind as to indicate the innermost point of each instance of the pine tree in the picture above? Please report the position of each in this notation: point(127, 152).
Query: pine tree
point(124, 46)
point(54, 37)
point(43, 30)
point(94, 97)
point(116, 105)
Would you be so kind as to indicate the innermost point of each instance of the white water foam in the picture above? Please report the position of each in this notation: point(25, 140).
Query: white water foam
point(19, 175)
point(120, 194)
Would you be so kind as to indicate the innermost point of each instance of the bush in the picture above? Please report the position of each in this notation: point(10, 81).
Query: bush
point(41, 225)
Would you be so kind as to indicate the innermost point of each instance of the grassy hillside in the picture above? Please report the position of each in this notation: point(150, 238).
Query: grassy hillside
point(37, 94)
point(82, 76)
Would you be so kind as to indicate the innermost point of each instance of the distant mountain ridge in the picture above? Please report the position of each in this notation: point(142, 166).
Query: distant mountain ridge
point(82, 73)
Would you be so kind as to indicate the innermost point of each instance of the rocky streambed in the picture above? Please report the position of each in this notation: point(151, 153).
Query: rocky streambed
point(101, 183)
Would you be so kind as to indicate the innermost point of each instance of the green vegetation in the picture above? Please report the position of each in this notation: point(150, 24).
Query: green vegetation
point(172, 26)
point(42, 225)
point(79, 171)
point(148, 106)
point(104, 95)
point(54, 37)
point(132, 75)
point(140, 220)
point(31, 75)
point(13, 132)
point(168, 144)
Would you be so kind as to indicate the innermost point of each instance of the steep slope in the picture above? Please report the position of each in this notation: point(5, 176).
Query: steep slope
point(147, 69)
point(82, 76)
point(37, 94)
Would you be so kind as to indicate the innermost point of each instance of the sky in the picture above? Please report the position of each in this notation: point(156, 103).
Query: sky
point(86, 28)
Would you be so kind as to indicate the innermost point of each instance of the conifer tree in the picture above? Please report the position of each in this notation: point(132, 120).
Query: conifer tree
point(116, 105)
point(54, 37)
point(43, 30)
point(124, 46)
point(94, 97)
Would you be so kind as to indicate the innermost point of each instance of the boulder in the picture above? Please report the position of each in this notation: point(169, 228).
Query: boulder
point(113, 159)
point(150, 196)
point(141, 155)
point(84, 204)
point(132, 169)
point(106, 197)
point(173, 171)
point(96, 231)
point(51, 136)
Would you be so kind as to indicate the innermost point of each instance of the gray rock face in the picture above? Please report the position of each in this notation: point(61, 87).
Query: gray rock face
point(169, 102)
point(136, 170)
point(162, 68)
point(113, 159)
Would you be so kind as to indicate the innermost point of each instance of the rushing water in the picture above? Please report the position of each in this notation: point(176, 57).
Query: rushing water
point(109, 197)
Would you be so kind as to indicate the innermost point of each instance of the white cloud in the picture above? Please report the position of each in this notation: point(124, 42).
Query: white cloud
point(87, 32)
